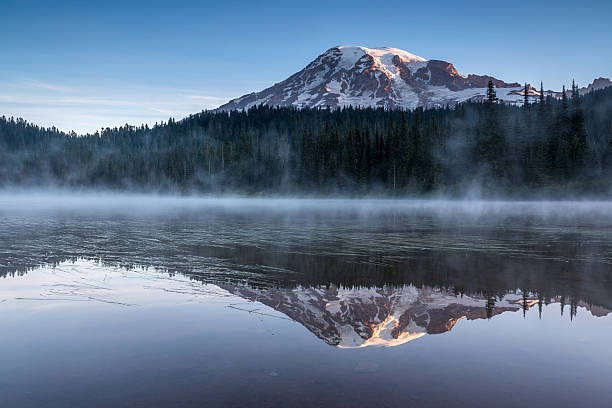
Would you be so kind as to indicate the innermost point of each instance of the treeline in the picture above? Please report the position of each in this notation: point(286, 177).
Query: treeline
point(550, 147)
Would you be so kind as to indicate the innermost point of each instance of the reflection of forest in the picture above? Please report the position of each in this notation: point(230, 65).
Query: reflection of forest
point(484, 274)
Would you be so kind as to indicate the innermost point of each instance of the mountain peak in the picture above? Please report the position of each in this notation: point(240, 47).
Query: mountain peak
point(379, 52)
point(349, 75)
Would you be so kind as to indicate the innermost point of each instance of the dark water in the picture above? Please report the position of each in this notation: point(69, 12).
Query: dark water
point(157, 302)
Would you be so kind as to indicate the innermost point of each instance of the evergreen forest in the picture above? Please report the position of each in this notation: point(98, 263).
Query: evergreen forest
point(545, 147)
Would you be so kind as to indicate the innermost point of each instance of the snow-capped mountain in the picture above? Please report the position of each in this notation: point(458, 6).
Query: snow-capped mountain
point(353, 318)
point(375, 77)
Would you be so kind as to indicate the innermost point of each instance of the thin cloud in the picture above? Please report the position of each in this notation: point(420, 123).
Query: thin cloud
point(46, 86)
point(87, 109)
point(207, 98)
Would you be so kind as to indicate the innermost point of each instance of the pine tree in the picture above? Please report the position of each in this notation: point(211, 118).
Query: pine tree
point(564, 101)
point(578, 136)
point(575, 96)
point(526, 96)
point(491, 94)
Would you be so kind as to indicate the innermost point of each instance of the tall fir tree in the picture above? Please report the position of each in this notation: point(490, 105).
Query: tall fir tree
point(491, 94)
point(575, 95)
point(577, 143)
point(564, 101)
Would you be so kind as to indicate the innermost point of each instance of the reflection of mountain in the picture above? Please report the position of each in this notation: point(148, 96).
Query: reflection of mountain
point(350, 318)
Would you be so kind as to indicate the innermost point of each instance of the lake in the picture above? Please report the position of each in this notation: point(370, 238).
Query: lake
point(149, 301)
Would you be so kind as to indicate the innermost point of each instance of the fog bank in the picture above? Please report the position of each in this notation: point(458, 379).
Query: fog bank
point(138, 204)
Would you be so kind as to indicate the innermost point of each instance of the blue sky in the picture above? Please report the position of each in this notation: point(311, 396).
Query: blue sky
point(82, 65)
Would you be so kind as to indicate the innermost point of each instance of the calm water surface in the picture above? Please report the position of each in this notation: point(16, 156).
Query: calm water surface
point(161, 302)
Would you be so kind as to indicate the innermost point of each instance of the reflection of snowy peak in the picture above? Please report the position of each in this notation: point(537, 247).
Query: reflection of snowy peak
point(376, 77)
point(387, 317)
